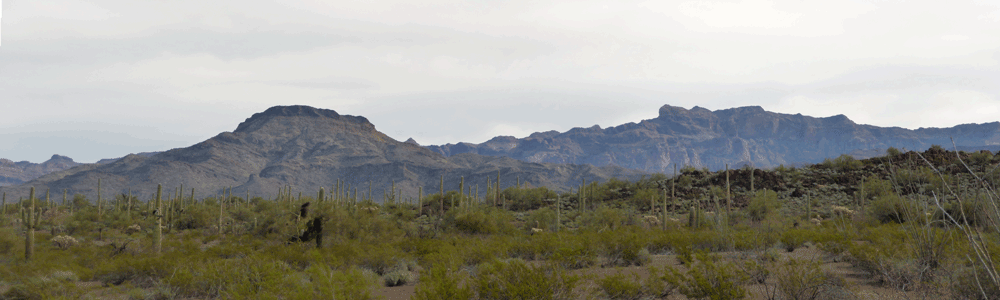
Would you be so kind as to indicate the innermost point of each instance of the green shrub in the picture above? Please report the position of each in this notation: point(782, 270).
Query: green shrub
point(352, 283)
point(795, 238)
point(515, 279)
point(43, 288)
point(605, 218)
point(543, 218)
point(797, 279)
point(618, 286)
point(574, 257)
point(486, 221)
point(440, 283)
point(8, 239)
point(966, 285)
point(139, 271)
point(707, 279)
point(892, 209)
point(397, 278)
point(764, 204)
point(623, 248)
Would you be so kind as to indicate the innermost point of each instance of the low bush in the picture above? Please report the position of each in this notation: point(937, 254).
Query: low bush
point(795, 238)
point(440, 283)
point(708, 279)
point(619, 286)
point(482, 221)
point(515, 279)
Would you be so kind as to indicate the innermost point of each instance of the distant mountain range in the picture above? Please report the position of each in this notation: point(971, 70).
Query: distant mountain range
point(307, 148)
point(737, 136)
point(12, 173)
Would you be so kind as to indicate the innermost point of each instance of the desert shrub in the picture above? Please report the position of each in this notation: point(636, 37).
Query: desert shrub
point(605, 218)
point(618, 286)
point(831, 241)
point(8, 239)
point(842, 163)
point(764, 204)
point(515, 279)
point(486, 221)
point(974, 211)
point(892, 209)
point(352, 283)
point(439, 282)
point(397, 278)
point(623, 248)
point(139, 271)
point(708, 279)
point(523, 199)
point(795, 238)
point(42, 288)
point(966, 285)
point(887, 259)
point(798, 279)
point(892, 152)
point(574, 256)
point(64, 242)
point(196, 217)
point(543, 218)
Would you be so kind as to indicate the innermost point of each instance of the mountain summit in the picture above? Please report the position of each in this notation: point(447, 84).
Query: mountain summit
point(703, 138)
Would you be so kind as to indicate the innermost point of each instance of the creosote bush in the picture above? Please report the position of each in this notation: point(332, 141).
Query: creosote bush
point(707, 278)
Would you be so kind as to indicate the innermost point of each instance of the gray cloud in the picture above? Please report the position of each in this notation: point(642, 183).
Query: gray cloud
point(169, 74)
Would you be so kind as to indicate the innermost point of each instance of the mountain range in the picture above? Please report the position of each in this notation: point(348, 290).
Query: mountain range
point(306, 148)
point(711, 139)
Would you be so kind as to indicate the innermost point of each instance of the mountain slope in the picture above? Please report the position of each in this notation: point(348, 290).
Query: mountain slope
point(307, 148)
point(703, 138)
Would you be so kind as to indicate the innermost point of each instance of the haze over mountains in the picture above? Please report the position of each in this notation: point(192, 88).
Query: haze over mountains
point(308, 148)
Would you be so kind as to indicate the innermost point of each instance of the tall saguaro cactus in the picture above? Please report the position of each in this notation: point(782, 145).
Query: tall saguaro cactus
point(729, 198)
point(158, 233)
point(442, 195)
point(100, 205)
point(30, 220)
point(498, 191)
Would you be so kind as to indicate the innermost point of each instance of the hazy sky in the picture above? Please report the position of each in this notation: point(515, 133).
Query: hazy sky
point(101, 79)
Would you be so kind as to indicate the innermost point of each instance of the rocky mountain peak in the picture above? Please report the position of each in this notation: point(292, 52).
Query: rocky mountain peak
point(257, 120)
point(60, 158)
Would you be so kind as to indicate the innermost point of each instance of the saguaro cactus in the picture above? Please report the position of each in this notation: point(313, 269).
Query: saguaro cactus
point(321, 195)
point(30, 220)
point(442, 195)
point(100, 205)
point(558, 212)
point(498, 190)
point(158, 233)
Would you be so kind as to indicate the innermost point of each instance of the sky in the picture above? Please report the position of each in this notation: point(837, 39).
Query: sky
point(102, 79)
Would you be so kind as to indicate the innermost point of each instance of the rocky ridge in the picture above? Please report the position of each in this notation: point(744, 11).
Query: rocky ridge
point(711, 139)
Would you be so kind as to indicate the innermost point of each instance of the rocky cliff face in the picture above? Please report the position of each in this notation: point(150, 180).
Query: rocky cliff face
point(737, 136)
point(12, 173)
point(308, 148)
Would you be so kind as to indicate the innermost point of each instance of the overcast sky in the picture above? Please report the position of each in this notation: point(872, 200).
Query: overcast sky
point(101, 79)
